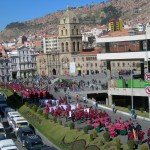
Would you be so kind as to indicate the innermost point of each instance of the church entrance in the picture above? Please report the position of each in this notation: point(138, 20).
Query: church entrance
point(79, 72)
point(54, 71)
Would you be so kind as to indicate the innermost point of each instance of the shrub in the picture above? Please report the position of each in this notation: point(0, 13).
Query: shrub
point(50, 117)
point(95, 134)
point(89, 127)
point(40, 111)
point(101, 143)
point(91, 137)
point(129, 107)
point(117, 143)
point(45, 116)
point(142, 109)
point(144, 147)
point(65, 125)
point(106, 136)
point(34, 108)
point(30, 106)
point(60, 122)
point(78, 129)
point(85, 129)
point(131, 144)
point(71, 125)
point(26, 104)
point(55, 119)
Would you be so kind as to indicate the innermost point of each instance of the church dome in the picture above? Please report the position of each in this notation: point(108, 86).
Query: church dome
point(69, 17)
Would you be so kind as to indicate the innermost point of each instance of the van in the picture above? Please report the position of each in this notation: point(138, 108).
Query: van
point(18, 122)
point(11, 115)
point(8, 144)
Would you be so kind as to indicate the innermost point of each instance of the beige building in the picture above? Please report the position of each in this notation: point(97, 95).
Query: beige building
point(57, 62)
point(48, 64)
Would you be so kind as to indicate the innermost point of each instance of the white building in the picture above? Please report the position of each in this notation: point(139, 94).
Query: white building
point(50, 44)
point(5, 70)
point(23, 62)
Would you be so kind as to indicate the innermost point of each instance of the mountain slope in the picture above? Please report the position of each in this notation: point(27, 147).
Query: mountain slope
point(131, 11)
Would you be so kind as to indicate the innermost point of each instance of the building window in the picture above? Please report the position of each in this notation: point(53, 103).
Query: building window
point(61, 32)
point(74, 46)
point(66, 32)
point(118, 64)
point(78, 46)
point(95, 64)
point(62, 47)
point(67, 48)
point(74, 59)
point(82, 58)
point(123, 64)
point(77, 31)
point(91, 65)
point(87, 65)
point(72, 31)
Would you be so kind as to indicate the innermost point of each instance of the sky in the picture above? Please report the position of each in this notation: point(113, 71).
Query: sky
point(22, 10)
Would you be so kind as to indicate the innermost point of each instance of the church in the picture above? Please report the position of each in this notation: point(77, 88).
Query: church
point(69, 58)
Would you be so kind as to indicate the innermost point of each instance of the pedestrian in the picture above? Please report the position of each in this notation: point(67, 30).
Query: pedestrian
point(138, 127)
point(113, 108)
point(148, 132)
point(148, 142)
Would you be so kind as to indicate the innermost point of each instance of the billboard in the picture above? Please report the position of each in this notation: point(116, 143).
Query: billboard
point(72, 68)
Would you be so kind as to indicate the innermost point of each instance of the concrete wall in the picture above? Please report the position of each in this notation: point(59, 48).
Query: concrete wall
point(127, 92)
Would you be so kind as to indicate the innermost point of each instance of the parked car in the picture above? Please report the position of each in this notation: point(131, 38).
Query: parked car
point(2, 130)
point(8, 109)
point(18, 122)
point(23, 132)
point(11, 115)
point(2, 137)
point(8, 144)
point(34, 142)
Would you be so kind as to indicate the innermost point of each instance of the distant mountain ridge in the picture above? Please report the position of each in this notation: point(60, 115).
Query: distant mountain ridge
point(131, 11)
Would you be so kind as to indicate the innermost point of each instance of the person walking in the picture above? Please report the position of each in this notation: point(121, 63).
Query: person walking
point(113, 108)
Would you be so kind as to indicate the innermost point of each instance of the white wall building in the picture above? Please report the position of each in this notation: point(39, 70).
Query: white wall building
point(5, 70)
point(50, 44)
point(23, 62)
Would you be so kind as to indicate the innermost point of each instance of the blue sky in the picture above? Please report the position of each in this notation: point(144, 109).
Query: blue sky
point(22, 10)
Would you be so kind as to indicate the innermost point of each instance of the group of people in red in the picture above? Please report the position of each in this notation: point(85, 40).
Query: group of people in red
point(98, 119)
point(27, 92)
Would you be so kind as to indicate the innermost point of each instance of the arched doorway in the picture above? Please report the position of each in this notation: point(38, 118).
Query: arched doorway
point(54, 71)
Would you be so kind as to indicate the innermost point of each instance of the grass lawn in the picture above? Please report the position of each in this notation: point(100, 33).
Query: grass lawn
point(53, 131)
point(6, 91)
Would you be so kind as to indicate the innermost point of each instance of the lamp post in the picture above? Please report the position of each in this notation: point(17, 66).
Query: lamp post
point(132, 103)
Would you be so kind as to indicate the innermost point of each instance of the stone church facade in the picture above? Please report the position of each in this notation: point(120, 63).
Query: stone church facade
point(57, 62)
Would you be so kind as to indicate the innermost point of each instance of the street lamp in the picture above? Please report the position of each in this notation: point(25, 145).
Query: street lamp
point(131, 68)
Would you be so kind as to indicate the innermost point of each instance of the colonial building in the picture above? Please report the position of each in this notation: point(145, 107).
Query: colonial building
point(23, 62)
point(70, 39)
point(69, 50)
point(48, 63)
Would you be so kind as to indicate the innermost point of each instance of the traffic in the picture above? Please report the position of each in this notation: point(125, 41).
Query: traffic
point(15, 131)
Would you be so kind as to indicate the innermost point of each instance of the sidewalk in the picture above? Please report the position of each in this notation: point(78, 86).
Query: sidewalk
point(124, 113)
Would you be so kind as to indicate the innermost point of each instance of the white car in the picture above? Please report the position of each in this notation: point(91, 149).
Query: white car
point(11, 116)
point(2, 130)
point(18, 122)
point(8, 144)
